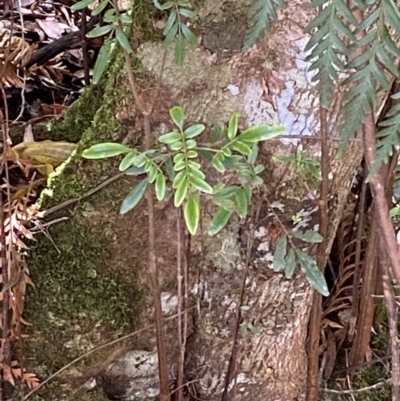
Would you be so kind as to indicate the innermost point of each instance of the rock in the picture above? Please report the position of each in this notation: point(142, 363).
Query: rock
point(132, 377)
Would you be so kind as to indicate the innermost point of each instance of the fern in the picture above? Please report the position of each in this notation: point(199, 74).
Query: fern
point(328, 44)
point(376, 58)
point(388, 138)
point(260, 14)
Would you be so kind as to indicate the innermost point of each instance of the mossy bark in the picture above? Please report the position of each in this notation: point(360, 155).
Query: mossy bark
point(86, 289)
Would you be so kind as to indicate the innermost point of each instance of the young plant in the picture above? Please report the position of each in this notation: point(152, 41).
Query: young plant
point(113, 21)
point(176, 29)
point(301, 164)
point(175, 168)
point(287, 256)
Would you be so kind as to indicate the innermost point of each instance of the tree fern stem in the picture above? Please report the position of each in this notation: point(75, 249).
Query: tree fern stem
point(378, 193)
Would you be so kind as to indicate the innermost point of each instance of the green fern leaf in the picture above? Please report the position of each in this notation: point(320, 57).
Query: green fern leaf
point(367, 77)
point(260, 14)
point(327, 44)
point(388, 138)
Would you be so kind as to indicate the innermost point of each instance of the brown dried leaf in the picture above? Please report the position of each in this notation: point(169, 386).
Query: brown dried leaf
point(7, 374)
point(31, 380)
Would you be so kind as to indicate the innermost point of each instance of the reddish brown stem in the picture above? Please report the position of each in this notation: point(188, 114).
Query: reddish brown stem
point(378, 193)
point(316, 311)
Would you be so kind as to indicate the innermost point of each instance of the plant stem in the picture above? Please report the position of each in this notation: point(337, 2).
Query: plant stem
point(152, 265)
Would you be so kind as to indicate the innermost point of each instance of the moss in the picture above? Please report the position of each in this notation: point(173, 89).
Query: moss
point(86, 283)
point(372, 375)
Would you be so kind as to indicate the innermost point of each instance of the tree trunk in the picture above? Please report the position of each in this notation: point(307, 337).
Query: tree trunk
point(269, 84)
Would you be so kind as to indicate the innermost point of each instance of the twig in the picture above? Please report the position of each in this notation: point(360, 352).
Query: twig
point(74, 200)
point(6, 258)
point(93, 350)
point(179, 278)
point(232, 360)
point(358, 391)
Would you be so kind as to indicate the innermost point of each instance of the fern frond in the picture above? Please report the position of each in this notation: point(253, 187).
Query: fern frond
point(388, 138)
point(260, 14)
point(327, 44)
point(371, 71)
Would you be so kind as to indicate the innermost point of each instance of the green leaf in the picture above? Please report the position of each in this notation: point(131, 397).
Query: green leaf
point(283, 158)
point(233, 126)
point(253, 328)
point(102, 61)
point(187, 13)
point(81, 5)
point(261, 133)
point(189, 35)
point(127, 161)
point(248, 191)
point(313, 274)
point(217, 132)
point(394, 211)
point(110, 18)
point(179, 157)
point(153, 173)
point(217, 164)
point(194, 165)
point(135, 171)
point(194, 130)
point(169, 168)
point(280, 253)
point(170, 36)
point(308, 236)
point(170, 22)
point(139, 160)
point(192, 154)
point(177, 116)
point(125, 19)
point(157, 4)
point(194, 172)
point(219, 221)
point(227, 152)
point(241, 202)
point(290, 264)
point(99, 8)
point(180, 165)
point(259, 169)
point(179, 179)
point(169, 138)
point(190, 144)
point(241, 147)
point(123, 40)
point(100, 31)
point(160, 186)
point(260, 14)
point(178, 145)
point(228, 191)
point(134, 196)
point(167, 5)
point(181, 191)
point(201, 185)
point(192, 213)
point(104, 150)
point(180, 49)
point(251, 159)
point(148, 165)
